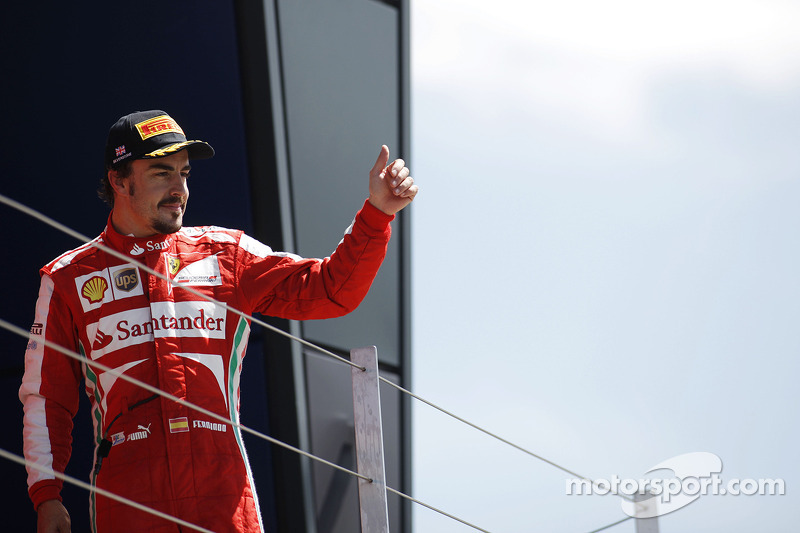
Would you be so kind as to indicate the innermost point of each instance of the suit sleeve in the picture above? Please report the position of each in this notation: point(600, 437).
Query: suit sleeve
point(49, 394)
point(287, 286)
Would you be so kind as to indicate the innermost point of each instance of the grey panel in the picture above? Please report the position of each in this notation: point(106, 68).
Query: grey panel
point(392, 434)
point(330, 399)
point(341, 77)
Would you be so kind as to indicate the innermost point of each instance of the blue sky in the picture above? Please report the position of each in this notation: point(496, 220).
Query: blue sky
point(605, 254)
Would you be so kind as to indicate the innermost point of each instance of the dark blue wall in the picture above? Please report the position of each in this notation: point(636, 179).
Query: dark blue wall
point(296, 126)
point(70, 70)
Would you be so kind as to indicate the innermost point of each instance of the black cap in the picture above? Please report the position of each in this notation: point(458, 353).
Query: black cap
point(148, 134)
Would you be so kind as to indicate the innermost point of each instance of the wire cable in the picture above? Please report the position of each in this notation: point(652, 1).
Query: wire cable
point(21, 460)
point(69, 231)
point(155, 390)
point(493, 435)
point(86, 240)
point(79, 236)
point(37, 338)
point(432, 508)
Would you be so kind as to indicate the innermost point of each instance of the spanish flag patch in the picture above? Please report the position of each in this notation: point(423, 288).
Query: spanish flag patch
point(179, 425)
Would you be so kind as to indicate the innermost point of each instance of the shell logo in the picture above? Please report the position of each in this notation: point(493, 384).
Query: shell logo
point(94, 289)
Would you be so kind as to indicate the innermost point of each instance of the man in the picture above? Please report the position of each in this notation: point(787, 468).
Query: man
point(150, 449)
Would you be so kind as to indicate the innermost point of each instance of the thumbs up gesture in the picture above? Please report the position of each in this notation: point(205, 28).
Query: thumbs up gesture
point(390, 186)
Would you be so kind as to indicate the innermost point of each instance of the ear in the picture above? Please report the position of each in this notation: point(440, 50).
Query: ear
point(119, 183)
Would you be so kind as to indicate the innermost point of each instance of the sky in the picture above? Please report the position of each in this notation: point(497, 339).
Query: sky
point(605, 255)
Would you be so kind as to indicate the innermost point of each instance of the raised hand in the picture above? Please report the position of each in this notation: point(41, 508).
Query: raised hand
point(391, 188)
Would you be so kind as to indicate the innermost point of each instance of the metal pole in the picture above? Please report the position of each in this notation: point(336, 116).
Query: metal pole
point(646, 505)
point(369, 441)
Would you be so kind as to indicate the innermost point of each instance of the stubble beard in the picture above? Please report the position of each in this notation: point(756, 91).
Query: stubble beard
point(168, 226)
point(162, 226)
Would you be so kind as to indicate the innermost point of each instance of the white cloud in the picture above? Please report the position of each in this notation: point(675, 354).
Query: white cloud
point(604, 248)
point(592, 64)
point(758, 36)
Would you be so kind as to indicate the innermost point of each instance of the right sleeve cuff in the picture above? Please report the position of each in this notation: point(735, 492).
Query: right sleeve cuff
point(48, 489)
point(373, 218)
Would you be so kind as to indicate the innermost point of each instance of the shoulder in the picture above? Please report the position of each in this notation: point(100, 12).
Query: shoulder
point(259, 249)
point(78, 255)
point(199, 235)
point(215, 239)
point(196, 235)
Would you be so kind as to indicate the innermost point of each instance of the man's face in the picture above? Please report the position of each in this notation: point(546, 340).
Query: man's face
point(158, 193)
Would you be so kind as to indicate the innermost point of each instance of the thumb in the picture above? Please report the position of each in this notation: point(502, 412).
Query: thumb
point(383, 159)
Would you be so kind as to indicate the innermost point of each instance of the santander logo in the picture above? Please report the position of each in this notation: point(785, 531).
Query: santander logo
point(159, 320)
point(151, 246)
point(101, 340)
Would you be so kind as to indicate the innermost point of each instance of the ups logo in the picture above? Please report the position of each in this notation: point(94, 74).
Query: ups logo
point(126, 280)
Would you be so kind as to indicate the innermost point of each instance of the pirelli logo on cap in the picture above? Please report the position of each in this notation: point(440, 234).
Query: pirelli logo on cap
point(179, 425)
point(157, 126)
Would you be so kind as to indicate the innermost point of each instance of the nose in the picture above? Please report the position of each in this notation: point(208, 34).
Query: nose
point(179, 187)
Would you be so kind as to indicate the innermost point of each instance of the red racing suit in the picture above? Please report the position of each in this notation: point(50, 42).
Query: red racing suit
point(162, 454)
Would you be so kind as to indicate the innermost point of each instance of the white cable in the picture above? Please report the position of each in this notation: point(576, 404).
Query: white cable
point(69, 231)
point(432, 508)
point(79, 236)
point(37, 338)
point(501, 439)
point(21, 460)
point(155, 390)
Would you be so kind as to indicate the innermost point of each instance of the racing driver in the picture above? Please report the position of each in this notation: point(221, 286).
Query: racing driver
point(150, 449)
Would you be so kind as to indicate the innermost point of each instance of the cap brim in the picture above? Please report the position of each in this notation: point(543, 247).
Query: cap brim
point(196, 149)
